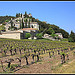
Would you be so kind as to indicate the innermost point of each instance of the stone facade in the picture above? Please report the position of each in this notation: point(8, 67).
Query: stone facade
point(11, 35)
point(18, 21)
point(59, 35)
point(48, 37)
point(51, 38)
point(32, 31)
point(19, 34)
point(34, 24)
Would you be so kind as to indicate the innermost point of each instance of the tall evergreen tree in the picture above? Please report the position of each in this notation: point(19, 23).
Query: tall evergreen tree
point(33, 19)
point(21, 15)
point(26, 23)
point(71, 37)
point(25, 14)
point(29, 24)
point(22, 24)
point(11, 24)
point(16, 15)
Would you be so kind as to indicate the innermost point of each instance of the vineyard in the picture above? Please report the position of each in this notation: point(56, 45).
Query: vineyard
point(34, 56)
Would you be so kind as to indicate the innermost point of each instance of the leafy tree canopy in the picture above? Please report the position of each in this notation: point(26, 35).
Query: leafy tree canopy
point(71, 37)
point(2, 27)
point(39, 35)
point(27, 35)
point(50, 31)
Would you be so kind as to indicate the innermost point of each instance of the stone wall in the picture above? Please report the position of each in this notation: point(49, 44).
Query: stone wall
point(10, 35)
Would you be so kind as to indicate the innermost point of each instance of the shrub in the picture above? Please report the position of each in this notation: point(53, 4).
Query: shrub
point(70, 39)
point(50, 31)
point(39, 35)
point(64, 39)
point(54, 35)
point(27, 35)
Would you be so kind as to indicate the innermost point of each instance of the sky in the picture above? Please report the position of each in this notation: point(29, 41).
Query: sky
point(59, 13)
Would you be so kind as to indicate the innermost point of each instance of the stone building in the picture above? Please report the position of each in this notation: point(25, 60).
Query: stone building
point(48, 37)
point(19, 34)
point(11, 35)
point(32, 31)
point(59, 35)
point(18, 21)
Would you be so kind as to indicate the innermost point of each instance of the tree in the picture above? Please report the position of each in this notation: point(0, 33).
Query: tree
point(11, 24)
point(54, 27)
point(2, 28)
point(21, 15)
point(27, 35)
point(64, 33)
point(25, 14)
point(29, 24)
point(39, 35)
point(53, 35)
point(33, 19)
point(50, 31)
point(26, 23)
point(4, 18)
point(32, 26)
point(16, 15)
point(22, 24)
point(71, 37)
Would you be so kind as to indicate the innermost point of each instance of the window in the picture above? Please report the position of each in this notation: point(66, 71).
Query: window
point(16, 25)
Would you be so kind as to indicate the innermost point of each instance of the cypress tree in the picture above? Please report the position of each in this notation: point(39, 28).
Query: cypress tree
point(71, 37)
point(21, 15)
point(29, 24)
point(26, 23)
point(22, 24)
point(25, 14)
point(11, 24)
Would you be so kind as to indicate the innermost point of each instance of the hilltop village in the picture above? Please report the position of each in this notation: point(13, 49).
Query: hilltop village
point(25, 26)
point(18, 27)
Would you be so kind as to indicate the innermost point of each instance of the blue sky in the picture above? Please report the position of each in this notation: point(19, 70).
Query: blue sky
point(60, 13)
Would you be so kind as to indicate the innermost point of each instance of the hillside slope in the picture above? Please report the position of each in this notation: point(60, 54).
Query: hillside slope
point(42, 25)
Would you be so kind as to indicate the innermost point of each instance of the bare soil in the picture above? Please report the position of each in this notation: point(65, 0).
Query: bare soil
point(45, 65)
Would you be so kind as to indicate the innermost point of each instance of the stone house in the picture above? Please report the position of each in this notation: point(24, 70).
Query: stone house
point(19, 34)
point(32, 31)
point(48, 37)
point(34, 24)
point(12, 35)
point(59, 35)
